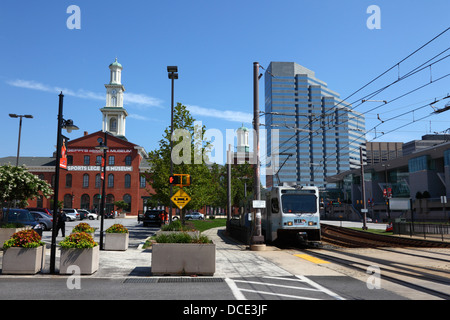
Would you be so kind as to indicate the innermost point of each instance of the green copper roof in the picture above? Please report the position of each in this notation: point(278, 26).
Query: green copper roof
point(116, 64)
point(243, 128)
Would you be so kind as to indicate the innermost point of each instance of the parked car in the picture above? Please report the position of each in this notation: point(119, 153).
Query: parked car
point(194, 216)
point(24, 217)
point(85, 214)
point(44, 210)
point(71, 214)
point(92, 216)
point(154, 217)
point(43, 219)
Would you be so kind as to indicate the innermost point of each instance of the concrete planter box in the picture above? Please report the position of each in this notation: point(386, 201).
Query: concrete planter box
point(17, 260)
point(183, 259)
point(116, 241)
point(86, 259)
point(6, 233)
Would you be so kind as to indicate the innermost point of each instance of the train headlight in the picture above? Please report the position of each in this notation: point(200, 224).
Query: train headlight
point(289, 223)
point(311, 223)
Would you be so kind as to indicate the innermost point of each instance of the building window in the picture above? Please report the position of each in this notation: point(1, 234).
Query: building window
point(113, 125)
point(40, 201)
point(98, 160)
point(68, 201)
point(418, 164)
point(109, 203)
point(111, 160)
point(87, 160)
point(69, 160)
point(142, 182)
point(128, 160)
point(127, 199)
point(110, 180)
point(98, 180)
point(85, 180)
point(68, 180)
point(127, 181)
point(85, 201)
point(96, 203)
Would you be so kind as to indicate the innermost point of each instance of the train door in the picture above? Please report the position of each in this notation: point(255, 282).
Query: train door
point(273, 218)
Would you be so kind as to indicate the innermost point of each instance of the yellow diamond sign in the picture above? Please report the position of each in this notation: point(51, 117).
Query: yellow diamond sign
point(181, 199)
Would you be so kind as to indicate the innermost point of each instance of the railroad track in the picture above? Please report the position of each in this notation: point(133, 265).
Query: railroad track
point(349, 238)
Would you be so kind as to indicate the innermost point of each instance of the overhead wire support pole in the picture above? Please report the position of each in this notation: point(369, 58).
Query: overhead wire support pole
point(363, 190)
point(258, 239)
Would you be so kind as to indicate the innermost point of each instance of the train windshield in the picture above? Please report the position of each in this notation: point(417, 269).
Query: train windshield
point(299, 203)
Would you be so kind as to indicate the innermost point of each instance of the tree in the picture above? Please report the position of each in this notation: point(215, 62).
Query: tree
point(18, 184)
point(189, 158)
point(121, 205)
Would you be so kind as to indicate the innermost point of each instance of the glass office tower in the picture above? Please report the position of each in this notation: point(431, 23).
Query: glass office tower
point(319, 134)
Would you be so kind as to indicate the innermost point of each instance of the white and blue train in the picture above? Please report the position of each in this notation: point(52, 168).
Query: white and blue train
point(291, 212)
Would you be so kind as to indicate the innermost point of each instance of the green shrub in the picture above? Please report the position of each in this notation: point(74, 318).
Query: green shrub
point(25, 239)
point(175, 226)
point(83, 227)
point(181, 237)
point(12, 225)
point(80, 240)
point(117, 228)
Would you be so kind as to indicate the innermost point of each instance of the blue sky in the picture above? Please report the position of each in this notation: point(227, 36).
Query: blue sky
point(214, 44)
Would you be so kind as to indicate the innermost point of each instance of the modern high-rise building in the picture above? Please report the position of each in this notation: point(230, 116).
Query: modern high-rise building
point(319, 134)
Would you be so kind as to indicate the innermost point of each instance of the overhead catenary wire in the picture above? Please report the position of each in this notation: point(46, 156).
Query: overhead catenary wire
point(415, 70)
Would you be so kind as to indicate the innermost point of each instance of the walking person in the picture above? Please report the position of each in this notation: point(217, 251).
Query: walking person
point(61, 222)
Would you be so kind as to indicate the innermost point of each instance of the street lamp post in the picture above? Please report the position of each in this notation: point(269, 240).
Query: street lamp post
point(173, 74)
point(13, 115)
point(69, 126)
point(104, 147)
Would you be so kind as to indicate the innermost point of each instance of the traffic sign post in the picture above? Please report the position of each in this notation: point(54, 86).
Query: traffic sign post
point(181, 199)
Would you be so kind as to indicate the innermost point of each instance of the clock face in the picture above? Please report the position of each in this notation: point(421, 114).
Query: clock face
point(114, 91)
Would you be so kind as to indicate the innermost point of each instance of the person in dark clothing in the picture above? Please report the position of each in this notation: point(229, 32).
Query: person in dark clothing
point(61, 223)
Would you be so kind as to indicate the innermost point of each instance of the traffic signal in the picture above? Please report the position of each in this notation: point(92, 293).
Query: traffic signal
point(180, 179)
point(175, 179)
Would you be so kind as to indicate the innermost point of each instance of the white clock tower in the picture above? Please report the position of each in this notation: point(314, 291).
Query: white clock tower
point(114, 114)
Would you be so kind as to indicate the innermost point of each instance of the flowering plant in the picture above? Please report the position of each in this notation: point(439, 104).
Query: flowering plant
point(25, 239)
point(83, 227)
point(80, 240)
point(117, 228)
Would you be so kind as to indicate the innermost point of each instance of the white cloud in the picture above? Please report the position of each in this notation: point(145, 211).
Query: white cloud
point(141, 99)
point(229, 115)
point(129, 98)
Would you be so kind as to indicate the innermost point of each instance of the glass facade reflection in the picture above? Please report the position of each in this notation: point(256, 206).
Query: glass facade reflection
point(318, 129)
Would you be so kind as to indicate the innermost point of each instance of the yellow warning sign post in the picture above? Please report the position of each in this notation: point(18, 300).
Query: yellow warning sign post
point(181, 199)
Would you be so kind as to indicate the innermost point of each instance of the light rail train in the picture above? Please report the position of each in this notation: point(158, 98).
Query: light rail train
point(291, 213)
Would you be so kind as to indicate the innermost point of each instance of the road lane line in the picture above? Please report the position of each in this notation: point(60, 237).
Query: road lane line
point(279, 294)
point(277, 285)
point(319, 287)
point(235, 290)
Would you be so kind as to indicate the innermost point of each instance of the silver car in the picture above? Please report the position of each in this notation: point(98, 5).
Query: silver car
point(43, 219)
point(195, 216)
point(71, 214)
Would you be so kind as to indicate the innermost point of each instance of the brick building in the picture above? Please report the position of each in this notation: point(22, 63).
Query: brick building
point(80, 186)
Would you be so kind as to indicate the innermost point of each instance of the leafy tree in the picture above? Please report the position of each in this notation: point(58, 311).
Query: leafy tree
point(18, 184)
point(189, 158)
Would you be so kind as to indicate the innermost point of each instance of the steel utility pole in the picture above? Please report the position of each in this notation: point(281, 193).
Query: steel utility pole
point(258, 238)
point(229, 160)
point(363, 189)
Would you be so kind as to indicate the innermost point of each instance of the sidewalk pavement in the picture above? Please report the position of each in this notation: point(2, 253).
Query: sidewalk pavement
point(233, 260)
